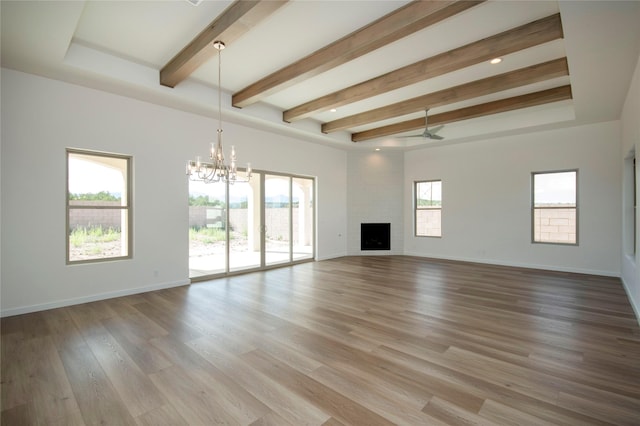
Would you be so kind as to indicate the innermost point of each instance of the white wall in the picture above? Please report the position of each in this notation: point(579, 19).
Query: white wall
point(630, 144)
point(486, 213)
point(42, 117)
point(486, 199)
point(375, 179)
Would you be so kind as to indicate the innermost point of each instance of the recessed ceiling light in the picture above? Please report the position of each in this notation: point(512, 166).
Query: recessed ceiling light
point(377, 149)
point(495, 61)
point(332, 110)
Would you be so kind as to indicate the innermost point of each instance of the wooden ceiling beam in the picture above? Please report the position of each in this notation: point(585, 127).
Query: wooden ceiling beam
point(406, 20)
point(529, 75)
point(503, 105)
point(532, 34)
point(237, 19)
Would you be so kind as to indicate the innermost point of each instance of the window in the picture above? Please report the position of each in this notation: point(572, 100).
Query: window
point(428, 205)
point(555, 207)
point(98, 206)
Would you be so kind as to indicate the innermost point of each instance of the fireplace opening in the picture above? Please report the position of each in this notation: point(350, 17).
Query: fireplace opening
point(375, 236)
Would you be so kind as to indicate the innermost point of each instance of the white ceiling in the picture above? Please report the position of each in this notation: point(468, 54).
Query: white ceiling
point(120, 46)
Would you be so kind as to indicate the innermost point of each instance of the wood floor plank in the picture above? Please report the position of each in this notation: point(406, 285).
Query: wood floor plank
point(14, 372)
point(350, 341)
point(16, 415)
point(98, 400)
point(133, 386)
point(399, 389)
point(504, 394)
point(232, 398)
point(504, 415)
point(51, 398)
point(271, 419)
point(289, 406)
point(146, 356)
point(375, 399)
point(62, 329)
point(535, 382)
point(171, 322)
point(165, 415)
point(453, 414)
point(602, 409)
point(333, 422)
point(130, 382)
point(41, 386)
point(329, 400)
point(192, 398)
point(406, 389)
point(336, 354)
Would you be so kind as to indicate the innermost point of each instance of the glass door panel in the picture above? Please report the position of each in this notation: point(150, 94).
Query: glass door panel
point(250, 225)
point(244, 224)
point(303, 218)
point(207, 228)
point(277, 219)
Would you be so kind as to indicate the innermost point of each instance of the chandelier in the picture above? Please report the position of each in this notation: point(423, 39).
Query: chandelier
point(216, 170)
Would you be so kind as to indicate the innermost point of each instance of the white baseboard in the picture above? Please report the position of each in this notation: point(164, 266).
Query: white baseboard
point(634, 303)
point(91, 298)
point(615, 274)
point(102, 296)
point(331, 256)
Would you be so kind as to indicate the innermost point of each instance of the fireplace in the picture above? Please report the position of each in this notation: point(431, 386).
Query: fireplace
point(375, 236)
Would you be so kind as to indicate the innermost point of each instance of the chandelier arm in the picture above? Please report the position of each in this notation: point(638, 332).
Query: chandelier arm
point(217, 170)
point(203, 172)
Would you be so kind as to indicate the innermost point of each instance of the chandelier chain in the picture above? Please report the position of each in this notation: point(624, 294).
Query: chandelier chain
point(219, 45)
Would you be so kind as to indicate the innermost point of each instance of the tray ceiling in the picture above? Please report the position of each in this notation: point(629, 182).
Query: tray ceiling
point(380, 64)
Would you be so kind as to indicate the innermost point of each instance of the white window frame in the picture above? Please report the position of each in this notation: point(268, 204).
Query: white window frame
point(126, 208)
point(417, 208)
point(534, 208)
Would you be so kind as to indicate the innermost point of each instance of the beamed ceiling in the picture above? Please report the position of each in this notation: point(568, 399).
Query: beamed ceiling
point(345, 73)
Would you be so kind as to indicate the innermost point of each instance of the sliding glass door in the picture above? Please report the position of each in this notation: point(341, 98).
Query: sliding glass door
point(207, 228)
point(277, 219)
point(245, 225)
point(303, 220)
point(252, 225)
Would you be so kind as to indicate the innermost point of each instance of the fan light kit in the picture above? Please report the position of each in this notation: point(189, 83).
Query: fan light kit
point(217, 170)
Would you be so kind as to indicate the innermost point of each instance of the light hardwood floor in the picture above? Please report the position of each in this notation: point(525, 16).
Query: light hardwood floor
point(351, 341)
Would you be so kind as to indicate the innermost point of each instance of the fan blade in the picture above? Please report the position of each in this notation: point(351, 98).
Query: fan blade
point(435, 137)
point(436, 129)
point(428, 134)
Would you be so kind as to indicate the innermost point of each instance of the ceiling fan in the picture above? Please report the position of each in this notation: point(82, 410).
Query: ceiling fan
point(428, 134)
